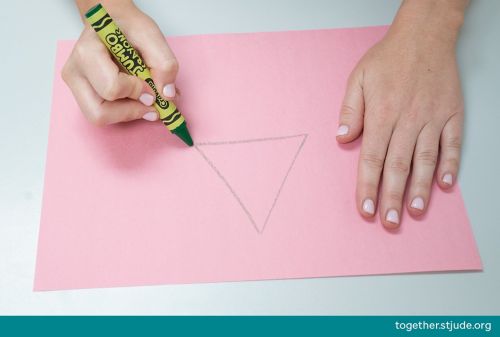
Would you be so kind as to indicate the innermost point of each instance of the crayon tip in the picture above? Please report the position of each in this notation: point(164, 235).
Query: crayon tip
point(183, 133)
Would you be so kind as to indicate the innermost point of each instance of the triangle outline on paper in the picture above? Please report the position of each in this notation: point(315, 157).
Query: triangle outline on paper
point(258, 229)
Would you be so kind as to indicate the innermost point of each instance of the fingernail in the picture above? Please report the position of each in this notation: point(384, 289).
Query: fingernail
point(146, 99)
point(169, 90)
point(150, 116)
point(392, 216)
point(369, 206)
point(342, 130)
point(417, 203)
point(448, 179)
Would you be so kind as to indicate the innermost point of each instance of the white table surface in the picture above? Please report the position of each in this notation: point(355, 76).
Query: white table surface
point(29, 30)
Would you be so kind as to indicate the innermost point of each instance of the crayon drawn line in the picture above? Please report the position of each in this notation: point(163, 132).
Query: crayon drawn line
point(252, 140)
point(233, 192)
point(284, 180)
point(235, 195)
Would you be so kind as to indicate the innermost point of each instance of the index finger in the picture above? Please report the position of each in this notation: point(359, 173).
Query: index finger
point(157, 55)
point(374, 146)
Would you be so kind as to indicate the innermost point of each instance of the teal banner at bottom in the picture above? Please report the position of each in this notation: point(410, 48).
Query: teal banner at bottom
point(254, 326)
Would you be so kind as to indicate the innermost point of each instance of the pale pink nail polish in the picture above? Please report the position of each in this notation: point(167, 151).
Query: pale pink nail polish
point(169, 90)
point(448, 179)
point(392, 216)
point(417, 203)
point(150, 116)
point(369, 206)
point(146, 99)
point(342, 130)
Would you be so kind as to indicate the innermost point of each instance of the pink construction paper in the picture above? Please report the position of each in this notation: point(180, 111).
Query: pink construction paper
point(267, 193)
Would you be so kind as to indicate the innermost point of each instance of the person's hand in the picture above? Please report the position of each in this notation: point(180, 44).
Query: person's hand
point(405, 96)
point(105, 93)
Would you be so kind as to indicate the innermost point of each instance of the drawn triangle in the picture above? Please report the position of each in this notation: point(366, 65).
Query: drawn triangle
point(255, 171)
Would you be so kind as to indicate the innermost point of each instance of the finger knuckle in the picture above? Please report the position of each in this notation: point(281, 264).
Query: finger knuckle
point(354, 76)
point(422, 183)
point(386, 107)
point(457, 109)
point(134, 88)
point(452, 162)
point(97, 117)
point(79, 51)
point(396, 196)
point(372, 160)
point(399, 165)
point(426, 157)
point(411, 115)
point(347, 111)
point(169, 66)
point(453, 142)
point(382, 114)
point(111, 91)
point(66, 73)
point(368, 187)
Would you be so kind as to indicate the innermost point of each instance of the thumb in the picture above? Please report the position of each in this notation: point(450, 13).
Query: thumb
point(128, 86)
point(352, 110)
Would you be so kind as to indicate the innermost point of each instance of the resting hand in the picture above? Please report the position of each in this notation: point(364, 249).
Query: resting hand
point(405, 96)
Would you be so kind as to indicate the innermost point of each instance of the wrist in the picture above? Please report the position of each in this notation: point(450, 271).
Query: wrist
point(434, 21)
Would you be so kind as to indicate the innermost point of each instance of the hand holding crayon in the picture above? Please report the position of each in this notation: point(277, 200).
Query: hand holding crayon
point(104, 92)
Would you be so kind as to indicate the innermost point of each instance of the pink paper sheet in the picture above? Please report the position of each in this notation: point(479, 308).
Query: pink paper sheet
point(267, 193)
